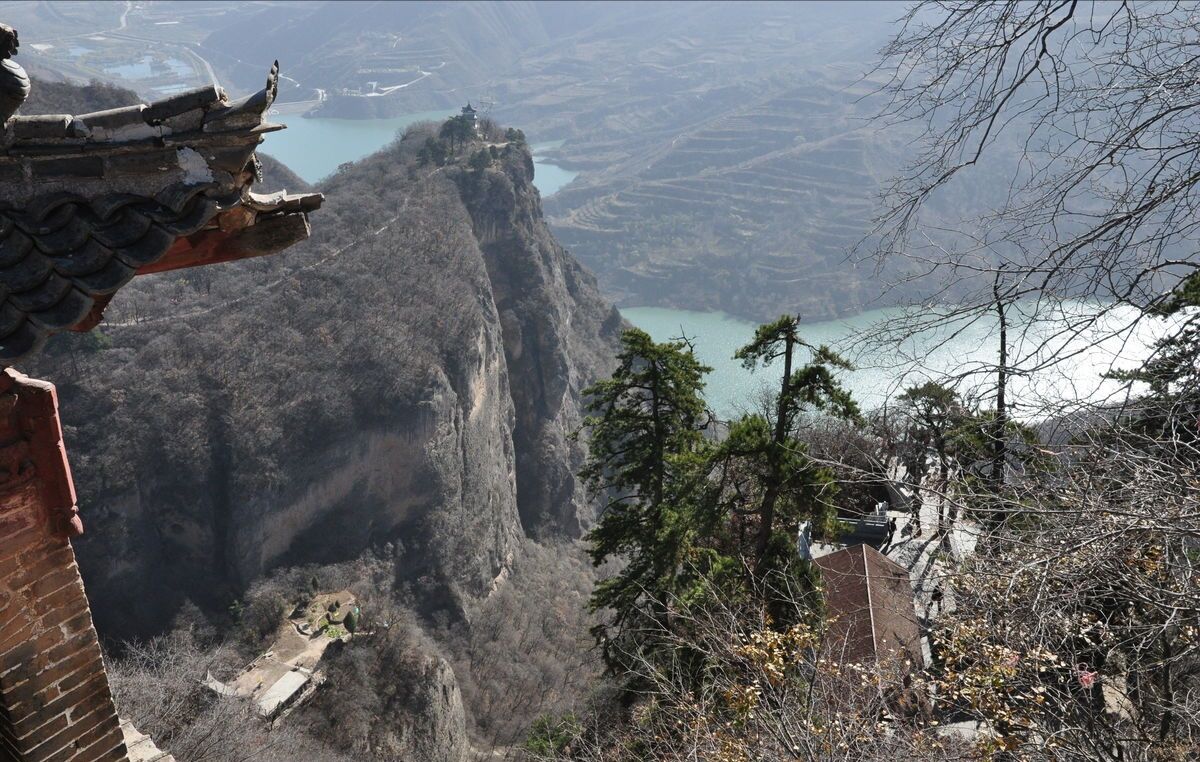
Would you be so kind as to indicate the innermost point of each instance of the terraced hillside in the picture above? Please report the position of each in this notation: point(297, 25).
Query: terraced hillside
point(752, 212)
point(726, 158)
point(726, 161)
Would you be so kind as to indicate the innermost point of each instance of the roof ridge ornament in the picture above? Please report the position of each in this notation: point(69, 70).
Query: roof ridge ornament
point(272, 84)
point(14, 82)
point(88, 201)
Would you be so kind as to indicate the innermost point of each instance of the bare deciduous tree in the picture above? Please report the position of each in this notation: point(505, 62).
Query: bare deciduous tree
point(1084, 121)
point(159, 687)
point(1102, 101)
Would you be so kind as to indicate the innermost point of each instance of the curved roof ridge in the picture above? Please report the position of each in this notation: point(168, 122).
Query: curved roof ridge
point(89, 201)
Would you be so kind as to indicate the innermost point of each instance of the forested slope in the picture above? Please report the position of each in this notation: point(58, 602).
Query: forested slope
point(405, 377)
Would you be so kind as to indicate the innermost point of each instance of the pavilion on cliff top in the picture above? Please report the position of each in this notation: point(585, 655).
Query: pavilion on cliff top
point(87, 202)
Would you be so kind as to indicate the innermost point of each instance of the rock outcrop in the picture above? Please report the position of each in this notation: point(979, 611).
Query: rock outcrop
point(392, 699)
point(558, 337)
point(411, 375)
point(435, 729)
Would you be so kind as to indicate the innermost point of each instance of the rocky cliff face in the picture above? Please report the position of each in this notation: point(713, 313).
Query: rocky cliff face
point(405, 706)
point(558, 338)
point(411, 375)
point(435, 730)
point(408, 379)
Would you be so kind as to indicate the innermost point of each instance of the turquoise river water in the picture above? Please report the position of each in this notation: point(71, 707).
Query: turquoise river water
point(314, 148)
point(965, 348)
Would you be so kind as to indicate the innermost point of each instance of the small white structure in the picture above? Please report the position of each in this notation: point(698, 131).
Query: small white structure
point(287, 674)
point(140, 747)
point(804, 541)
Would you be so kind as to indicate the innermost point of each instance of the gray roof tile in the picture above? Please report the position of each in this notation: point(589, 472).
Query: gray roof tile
point(87, 200)
point(183, 102)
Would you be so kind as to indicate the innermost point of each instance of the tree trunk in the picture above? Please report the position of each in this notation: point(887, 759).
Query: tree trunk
point(1168, 690)
point(766, 511)
point(999, 433)
point(660, 447)
point(943, 480)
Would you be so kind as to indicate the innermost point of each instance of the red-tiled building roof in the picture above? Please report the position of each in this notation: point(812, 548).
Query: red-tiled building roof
point(870, 599)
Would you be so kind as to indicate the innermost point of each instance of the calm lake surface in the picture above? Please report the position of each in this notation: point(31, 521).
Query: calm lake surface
point(313, 148)
point(880, 374)
point(547, 177)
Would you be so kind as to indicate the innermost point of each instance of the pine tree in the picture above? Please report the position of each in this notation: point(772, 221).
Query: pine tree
point(647, 456)
point(480, 160)
point(457, 131)
point(935, 416)
point(1169, 411)
point(786, 473)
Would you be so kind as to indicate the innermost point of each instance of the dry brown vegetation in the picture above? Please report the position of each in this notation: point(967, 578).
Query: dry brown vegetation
point(391, 693)
point(159, 686)
point(527, 651)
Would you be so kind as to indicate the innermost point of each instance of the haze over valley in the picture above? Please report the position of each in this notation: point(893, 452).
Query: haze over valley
point(599, 381)
point(724, 159)
point(709, 157)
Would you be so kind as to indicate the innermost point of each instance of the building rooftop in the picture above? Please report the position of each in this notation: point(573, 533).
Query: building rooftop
point(870, 599)
point(141, 747)
point(288, 672)
point(88, 201)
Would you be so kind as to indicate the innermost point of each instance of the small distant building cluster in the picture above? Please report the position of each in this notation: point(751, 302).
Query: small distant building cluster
point(287, 674)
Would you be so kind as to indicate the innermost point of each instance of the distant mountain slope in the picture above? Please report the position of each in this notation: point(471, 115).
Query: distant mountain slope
point(278, 176)
point(49, 97)
point(728, 161)
point(727, 158)
point(752, 212)
point(428, 50)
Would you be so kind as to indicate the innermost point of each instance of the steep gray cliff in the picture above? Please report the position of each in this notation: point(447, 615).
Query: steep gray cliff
point(411, 375)
point(558, 337)
point(391, 701)
point(434, 729)
point(407, 380)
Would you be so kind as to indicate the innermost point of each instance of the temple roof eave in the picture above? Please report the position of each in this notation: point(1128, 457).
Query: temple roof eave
point(87, 202)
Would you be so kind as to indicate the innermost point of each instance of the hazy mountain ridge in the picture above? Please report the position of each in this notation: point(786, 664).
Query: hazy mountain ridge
point(754, 212)
point(729, 162)
point(728, 158)
point(48, 97)
point(350, 45)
